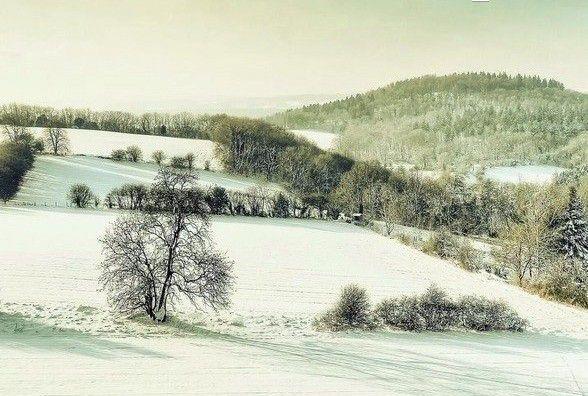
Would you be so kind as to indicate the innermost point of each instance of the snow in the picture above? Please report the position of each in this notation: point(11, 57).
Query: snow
point(537, 174)
point(323, 140)
point(102, 143)
point(51, 177)
point(264, 343)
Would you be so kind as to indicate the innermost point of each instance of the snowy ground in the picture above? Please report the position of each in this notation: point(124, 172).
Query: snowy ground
point(324, 140)
point(264, 342)
point(51, 177)
point(57, 335)
point(102, 143)
point(536, 174)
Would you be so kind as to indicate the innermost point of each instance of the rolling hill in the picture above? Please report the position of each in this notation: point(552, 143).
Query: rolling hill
point(457, 120)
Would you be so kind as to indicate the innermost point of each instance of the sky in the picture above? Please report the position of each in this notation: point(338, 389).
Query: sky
point(171, 55)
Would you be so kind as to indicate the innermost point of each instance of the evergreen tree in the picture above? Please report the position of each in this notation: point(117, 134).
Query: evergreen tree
point(573, 231)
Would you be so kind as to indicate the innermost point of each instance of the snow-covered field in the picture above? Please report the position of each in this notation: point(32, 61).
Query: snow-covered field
point(536, 174)
point(324, 140)
point(102, 143)
point(51, 177)
point(57, 335)
point(287, 271)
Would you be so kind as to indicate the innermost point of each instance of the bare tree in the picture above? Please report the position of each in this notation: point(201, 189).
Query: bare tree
point(57, 140)
point(190, 158)
point(158, 157)
point(16, 133)
point(154, 258)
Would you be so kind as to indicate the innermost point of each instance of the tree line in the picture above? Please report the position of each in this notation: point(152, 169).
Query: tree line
point(186, 125)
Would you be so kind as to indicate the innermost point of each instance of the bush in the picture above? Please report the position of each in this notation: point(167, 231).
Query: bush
point(435, 311)
point(407, 239)
point(177, 162)
point(158, 157)
point(402, 313)
point(441, 243)
point(481, 314)
point(565, 281)
point(128, 196)
point(218, 200)
point(81, 196)
point(118, 155)
point(467, 257)
point(134, 153)
point(351, 311)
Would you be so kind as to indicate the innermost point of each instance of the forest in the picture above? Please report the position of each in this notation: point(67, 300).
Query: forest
point(456, 121)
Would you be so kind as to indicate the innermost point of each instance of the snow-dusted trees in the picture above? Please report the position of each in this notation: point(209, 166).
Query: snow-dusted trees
point(56, 140)
point(155, 257)
point(572, 233)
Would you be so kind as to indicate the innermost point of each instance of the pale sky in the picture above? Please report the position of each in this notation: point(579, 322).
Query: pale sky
point(160, 54)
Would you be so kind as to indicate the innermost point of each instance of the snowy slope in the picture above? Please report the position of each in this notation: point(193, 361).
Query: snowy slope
point(102, 143)
point(298, 274)
point(48, 182)
point(265, 344)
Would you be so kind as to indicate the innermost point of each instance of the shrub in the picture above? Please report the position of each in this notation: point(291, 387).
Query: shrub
point(565, 281)
point(406, 239)
point(134, 153)
point(217, 200)
point(177, 162)
point(481, 314)
point(158, 157)
point(128, 196)
point(81, 196)
point(435, 311)
point(118, 155)
point(351, 311)
point(441, 243)
point(467, 257)
point(402, 313)
point(38, 146)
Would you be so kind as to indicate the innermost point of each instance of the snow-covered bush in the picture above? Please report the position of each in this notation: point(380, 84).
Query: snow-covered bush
point(351, 311)
point(178, 162)
point(134, 153)
point(441, 243)
point(467, 257)
point(566, 281)
point(435, 311)
point(402, 313)
point(481, 314)
point(118, 155)
point(158, 157)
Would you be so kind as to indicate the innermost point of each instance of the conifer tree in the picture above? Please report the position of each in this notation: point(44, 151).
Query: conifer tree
point(573, 230)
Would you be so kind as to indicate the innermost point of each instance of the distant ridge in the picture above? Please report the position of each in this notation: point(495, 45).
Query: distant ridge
point(456, 120)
